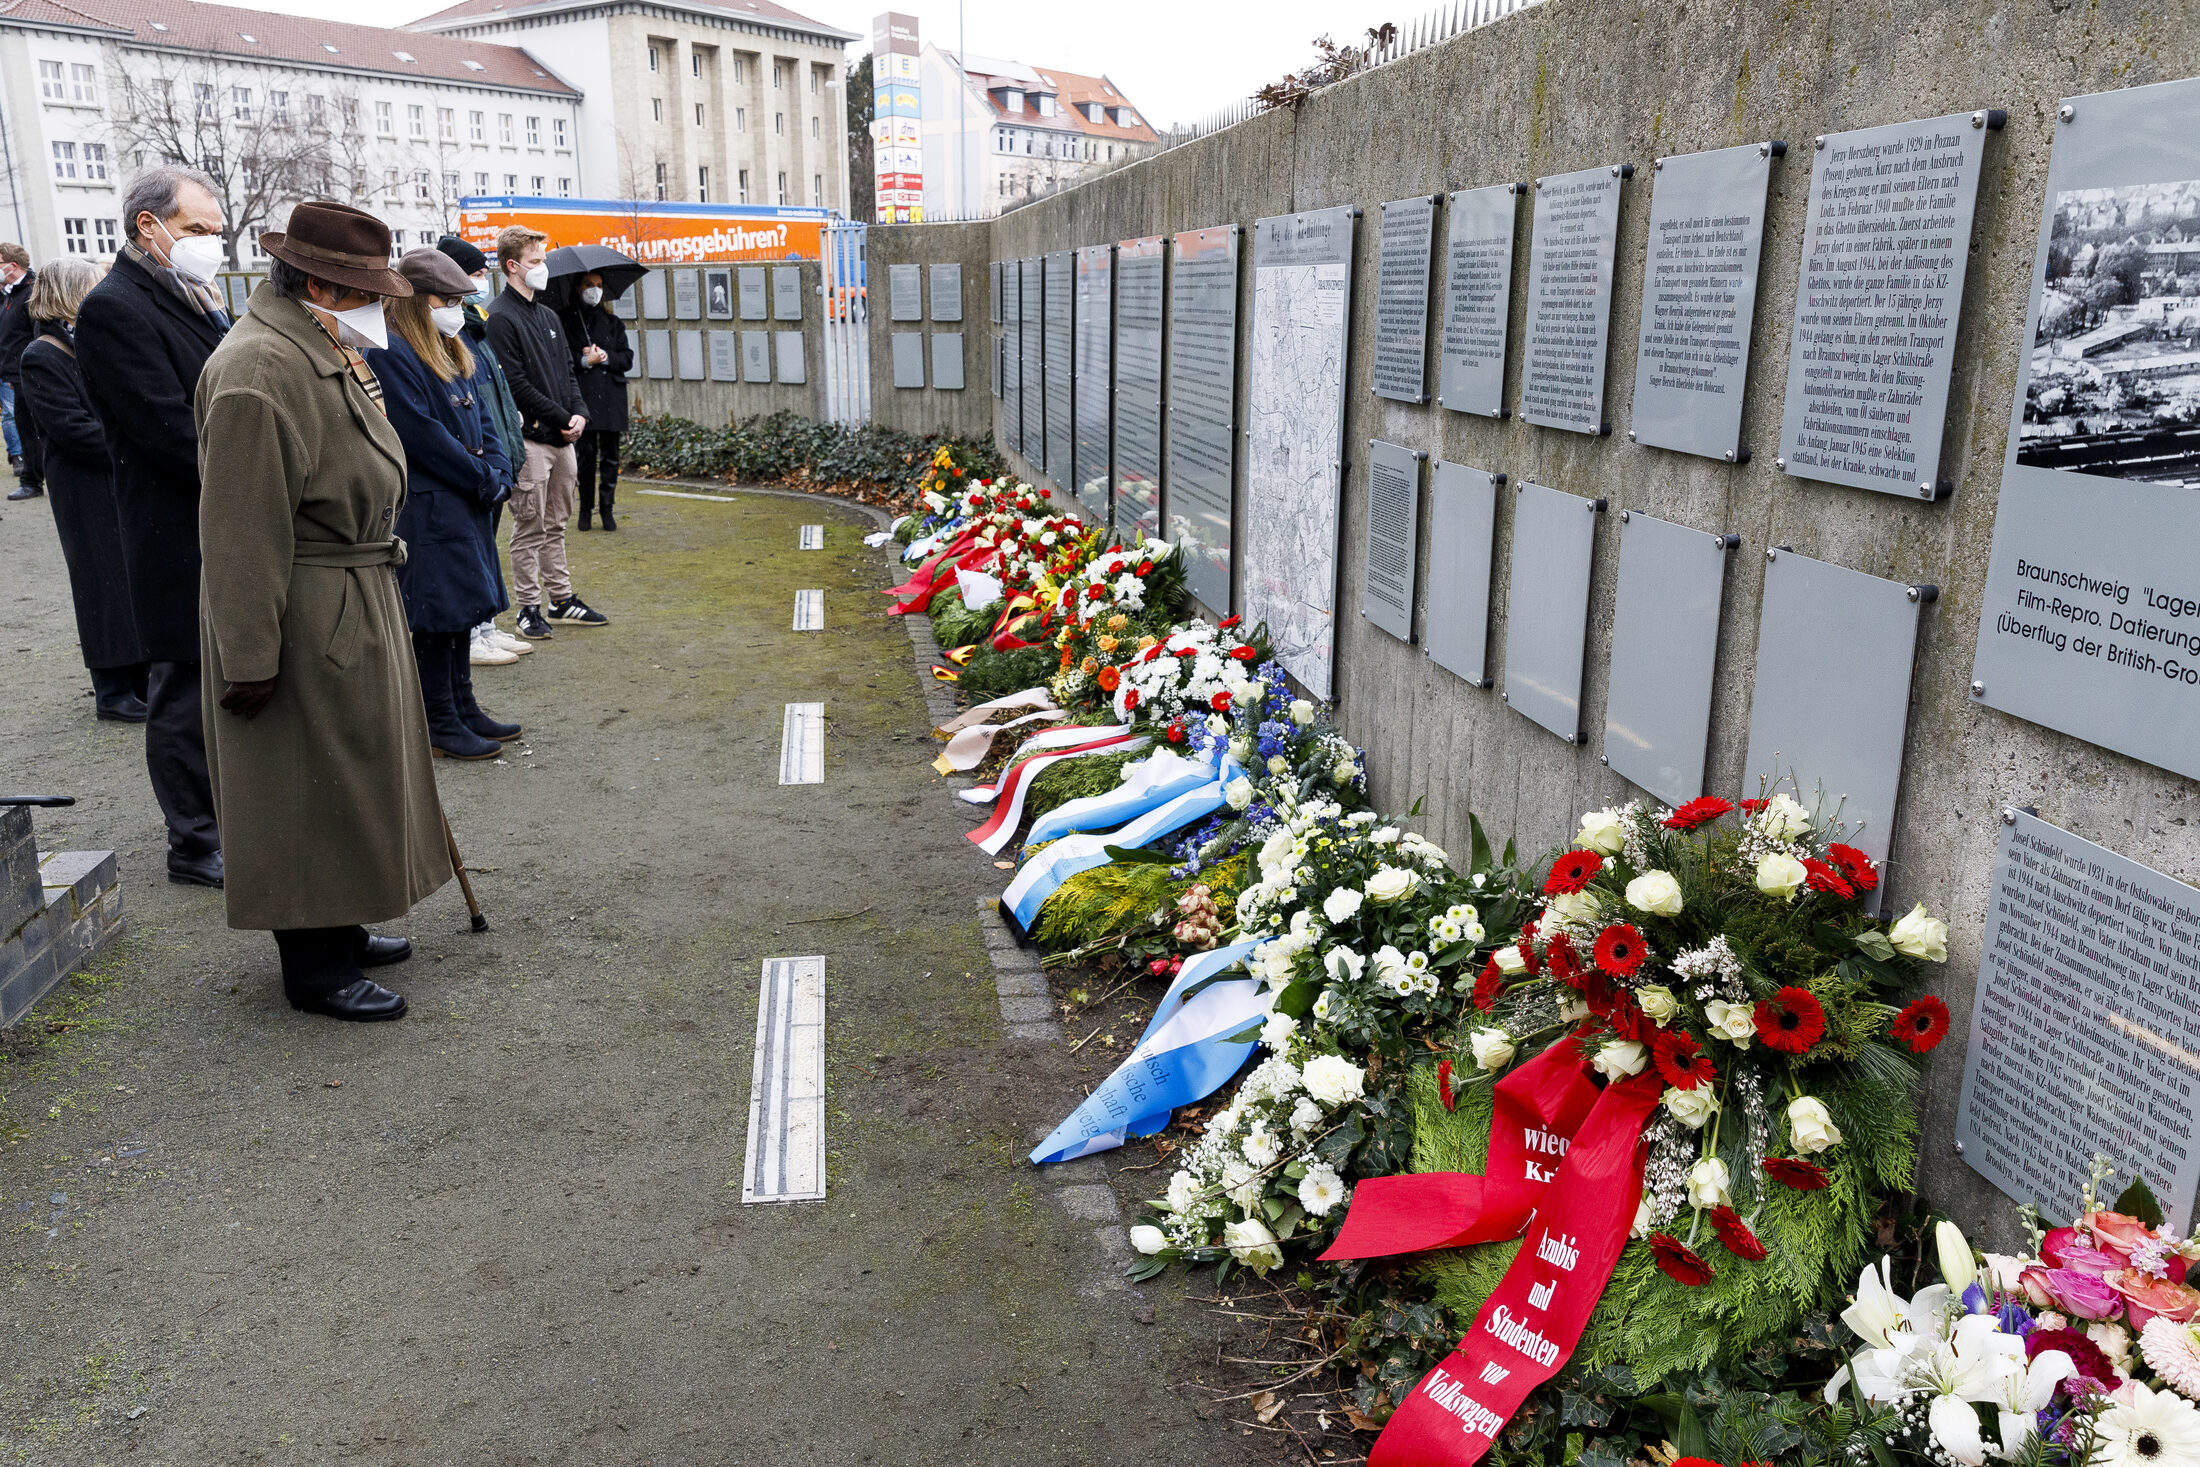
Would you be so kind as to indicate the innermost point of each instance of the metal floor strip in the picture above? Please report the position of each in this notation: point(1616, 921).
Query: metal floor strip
point(786, 1153)
point(802, 744)
point(681, 494)
point(809, 611)
point(813, 538)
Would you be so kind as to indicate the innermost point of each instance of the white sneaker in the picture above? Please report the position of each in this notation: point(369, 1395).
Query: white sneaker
point(517, 646)
point(482, 652)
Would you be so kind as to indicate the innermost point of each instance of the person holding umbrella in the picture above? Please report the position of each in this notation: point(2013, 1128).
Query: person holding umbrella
point(601, 359)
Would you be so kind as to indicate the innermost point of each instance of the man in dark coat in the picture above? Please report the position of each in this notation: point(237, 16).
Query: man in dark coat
point(143, 335)
point(16, 279)
point(601, 360)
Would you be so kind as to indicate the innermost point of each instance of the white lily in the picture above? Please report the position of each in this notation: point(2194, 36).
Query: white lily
point(1973, 1366)
point(2025, 1393)
point(1879, 1313)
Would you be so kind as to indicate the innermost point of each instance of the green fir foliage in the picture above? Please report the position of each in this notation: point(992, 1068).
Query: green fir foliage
point(953, 626)
point(1077, 779)
point(994, 674)
point(1120, 897)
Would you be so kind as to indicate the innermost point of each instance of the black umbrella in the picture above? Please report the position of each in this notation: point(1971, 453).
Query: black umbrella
point(569, 262)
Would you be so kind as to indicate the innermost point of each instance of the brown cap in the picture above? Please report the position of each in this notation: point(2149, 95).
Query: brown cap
point(434, 272)
point(339, 244)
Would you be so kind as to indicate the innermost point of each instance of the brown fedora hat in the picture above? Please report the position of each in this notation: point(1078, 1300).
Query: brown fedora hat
point(338, 244)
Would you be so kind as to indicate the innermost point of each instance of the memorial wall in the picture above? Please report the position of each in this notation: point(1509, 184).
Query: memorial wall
point(1894, 494)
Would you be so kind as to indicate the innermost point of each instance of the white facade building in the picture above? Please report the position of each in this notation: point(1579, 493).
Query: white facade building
point(997, 132)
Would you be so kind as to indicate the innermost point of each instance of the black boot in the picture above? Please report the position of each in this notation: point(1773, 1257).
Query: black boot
point(462, 698)
point(447, 736)
point(321, 975)
point(604, 496)
point(588, 502)
point(116, 698)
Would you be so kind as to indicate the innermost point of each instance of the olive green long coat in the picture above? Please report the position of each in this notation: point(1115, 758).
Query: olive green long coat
point(327, 798)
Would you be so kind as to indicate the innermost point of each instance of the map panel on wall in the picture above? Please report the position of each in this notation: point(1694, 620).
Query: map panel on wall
point(1478, 249)
point(1462, 542)
point(754, 305)
point(1547, 615)
point(947, 292)
point(1061, 289)
point(1140, 302)
point(905, 292)
point(1665, 642)
point(1202, 399)
point(1699, 296)
point(2091, 617)
point(1393, 520)
point(1885, 244)
point(1294, 440)
point(1401, 298)
point(1569, 326)
point(1835, 649)
point(1095, 388)
point(1031, 441)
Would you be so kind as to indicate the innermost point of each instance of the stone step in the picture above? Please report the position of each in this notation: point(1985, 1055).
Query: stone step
point(78, 897)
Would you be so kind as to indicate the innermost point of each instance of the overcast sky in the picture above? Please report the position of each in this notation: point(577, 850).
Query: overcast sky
point(1177, 60)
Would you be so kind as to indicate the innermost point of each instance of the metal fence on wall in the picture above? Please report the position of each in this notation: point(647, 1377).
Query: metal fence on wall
point(847, 330)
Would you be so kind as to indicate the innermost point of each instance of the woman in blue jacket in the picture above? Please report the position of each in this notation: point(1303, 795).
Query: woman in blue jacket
point(456, 475)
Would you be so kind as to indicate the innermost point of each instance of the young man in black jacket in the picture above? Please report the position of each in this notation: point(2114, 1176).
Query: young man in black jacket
point(529, 342)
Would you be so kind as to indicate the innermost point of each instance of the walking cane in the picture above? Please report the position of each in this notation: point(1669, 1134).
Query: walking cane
point(458, 864)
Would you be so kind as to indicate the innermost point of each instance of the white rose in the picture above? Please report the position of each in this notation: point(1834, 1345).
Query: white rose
point(1332, 1079)
point(1277, 851)
point(933, 501)
point(1920, 936)
point(1251, 1244)
point(1493, 1048)
point(1345, 772)
point(1571, 1010)
point(1182, 1189)
point(1277, 764)
point(1692, 1107)
point(1782, 818)
point(1241, 750)
point(1306, 1115)
point(1238, 793)
point(1147, 1238)
point(1707, 1183)
point(1302, 712)
point(1277, 1032)
point(1343, 964)
point(1321, 1189)
point(1617, 1059)
point(1640, 1227)
point(1341, 905)
point(1658, 1003)
point(1388, 835)
point(1736, 1023)
point(1509, 962)
point(1780, 876)
point(1811, 1125)
point(1602, 831)
point(1655, 892)
point(1575, 908)
point(1390, 884)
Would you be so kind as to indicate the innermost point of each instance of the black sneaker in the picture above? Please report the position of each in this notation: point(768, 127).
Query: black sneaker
point(27, 491)
point(531, 624)
point(578, 612)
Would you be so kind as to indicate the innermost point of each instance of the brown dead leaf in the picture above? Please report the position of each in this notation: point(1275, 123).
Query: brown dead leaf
point(1359, 1422)
point(1266, 1407)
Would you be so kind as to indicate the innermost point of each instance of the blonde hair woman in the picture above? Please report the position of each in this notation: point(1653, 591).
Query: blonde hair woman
point(81, 485)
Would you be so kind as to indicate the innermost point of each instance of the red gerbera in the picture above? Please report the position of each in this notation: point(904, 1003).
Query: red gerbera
point(1791, 1021)
point(1818, 876)
point(1697, 812)
point(1145, 567)
point(1220, 702)
point(1735, 1233)
point(1681, 1060)
point(2091, 1360)
point(1243, 652)
point(1565, 964)
point(1678, 1260)
point(1488, 986)
point(1626, 1017)
point(1619, 950)
point(1443, 1083)
point(1751, 807)
point(1187, 651)
point(1923, 1024)
point(1229, 621)
point(1855, 865)
point(1793, 1172)
point(1571, 872)
point(1130, 700)
point(1094, 593)
point(1176, 733)
point(1528, 954)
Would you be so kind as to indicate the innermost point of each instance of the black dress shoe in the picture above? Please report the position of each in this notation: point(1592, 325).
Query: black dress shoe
point(203, 870)
point(125, 710)
point(377, 951)
point(364, 1001)
point(27, 491)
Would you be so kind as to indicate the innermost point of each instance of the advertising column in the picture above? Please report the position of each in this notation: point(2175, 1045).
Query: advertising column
point(897, 153)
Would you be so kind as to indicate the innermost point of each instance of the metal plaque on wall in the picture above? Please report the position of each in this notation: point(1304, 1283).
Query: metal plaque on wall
point(657, 344)
point(1462, 542)
point(1884, 249)
point(905, 292)
point(1547, 615)
point(1478, 248)
point(756, 356)
point(2091, 618)
point(1140, 304)
point(1033, 424)
point(653, 295)
point(750, 282)
point(1061, 289)
point(1095, 388)
point(717, 294)
point(2078, 1026)
point(1835, 649)
point(1202, 399)
point(687, 295)
point(947, 360)
point(1011, 352)
point(787, 363)
point(947, 292)
point(786, 292)
point(1401, 298)
point(1393, 522)
point(635, 350)
point(908, 358)
point(1569, 327)
point(725, 357)
point(688, 347)
point(1665, 644)
point(1699, 296)
point(995, 270)
point(626, 305)
point(1294, 435)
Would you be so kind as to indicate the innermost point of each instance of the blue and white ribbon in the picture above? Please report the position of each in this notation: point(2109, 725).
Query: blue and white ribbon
point(1186, 1054)
point(1147, 783)
point(1046, 871)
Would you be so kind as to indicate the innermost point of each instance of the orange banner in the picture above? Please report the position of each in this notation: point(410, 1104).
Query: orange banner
point(655, 234)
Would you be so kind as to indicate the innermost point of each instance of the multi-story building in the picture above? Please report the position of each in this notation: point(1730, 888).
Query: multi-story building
point(738, 103)
point(997, 132)
point(276, 108)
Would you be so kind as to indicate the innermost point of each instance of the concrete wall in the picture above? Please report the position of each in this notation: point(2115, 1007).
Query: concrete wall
point(1575, 83)
point(927, 409)
point(716, 403)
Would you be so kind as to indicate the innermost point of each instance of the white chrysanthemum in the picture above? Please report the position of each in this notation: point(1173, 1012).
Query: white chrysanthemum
point(1260, 1148)
point(1182, 1189)
point(1417, 962)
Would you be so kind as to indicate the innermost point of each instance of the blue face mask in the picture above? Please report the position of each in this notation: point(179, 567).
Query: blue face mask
point(481, 296)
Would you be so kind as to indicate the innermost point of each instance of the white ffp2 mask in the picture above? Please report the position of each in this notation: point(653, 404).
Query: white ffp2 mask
point(196, 257)
point(362, 326)
point(593, 295)
point(538, 276)
point(450, 320)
